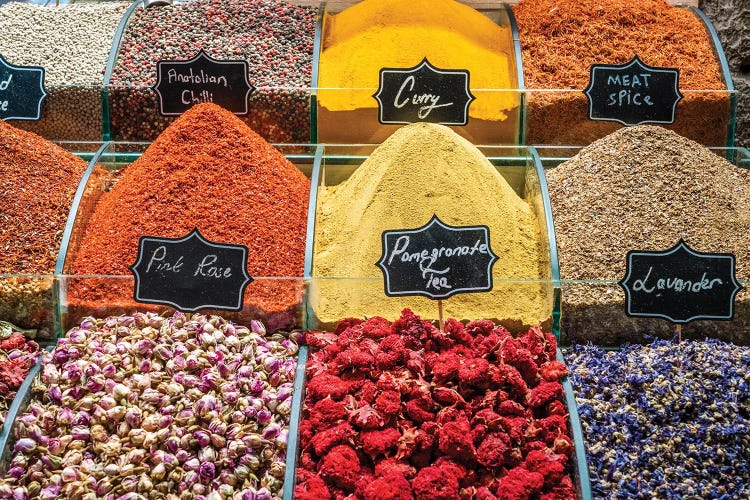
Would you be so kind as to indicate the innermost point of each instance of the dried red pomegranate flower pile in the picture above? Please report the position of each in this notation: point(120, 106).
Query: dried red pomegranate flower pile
point(17, 356)
point(403, 411)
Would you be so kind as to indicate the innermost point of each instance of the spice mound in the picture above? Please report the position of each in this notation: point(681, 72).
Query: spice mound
point(562, 39)
point(17, 356)
point(274, 37)
point(665, 420)
point(644, 188)
point(403, 410)
point(376, 34)
point(38, 180)
point(209, 171)
point(145, 406)
point(420, 171)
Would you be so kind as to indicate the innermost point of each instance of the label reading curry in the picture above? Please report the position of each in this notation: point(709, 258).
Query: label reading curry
point(437, 260)
point(182, 84)
point(424, 93)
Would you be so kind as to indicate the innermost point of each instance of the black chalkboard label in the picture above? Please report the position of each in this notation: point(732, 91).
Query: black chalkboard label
point(424, 93)
point(21, 91)
point(680, 284)
point(182, 84)
point(437, 260)
point(190, 273)
point(633, 93)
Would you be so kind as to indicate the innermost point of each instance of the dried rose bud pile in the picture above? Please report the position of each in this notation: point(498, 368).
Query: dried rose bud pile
point(146, 406)
point(403, 411)
point(17, 356)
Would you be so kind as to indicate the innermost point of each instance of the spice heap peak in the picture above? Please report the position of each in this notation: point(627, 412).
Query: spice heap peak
point(209, 171)
point(420, 171)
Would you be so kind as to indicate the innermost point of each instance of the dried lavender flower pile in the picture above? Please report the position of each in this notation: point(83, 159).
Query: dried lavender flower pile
point(146, 406)
point(275, 37)
point(665, 420)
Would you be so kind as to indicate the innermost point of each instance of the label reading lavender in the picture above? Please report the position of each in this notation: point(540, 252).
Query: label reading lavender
point(633, 93)
point(424, 93)
point(437, 260)
point(190, 273)
point(181, 84)
point(680, 284)
point(21, 91)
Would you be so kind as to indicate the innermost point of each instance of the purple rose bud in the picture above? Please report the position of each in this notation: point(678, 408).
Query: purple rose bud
point(264, 416)
point(207, 471)
point(23, 445)
point(55, 394)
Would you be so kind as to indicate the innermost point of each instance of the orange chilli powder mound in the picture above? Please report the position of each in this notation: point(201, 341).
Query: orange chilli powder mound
point(210, 171)
point(561, 39)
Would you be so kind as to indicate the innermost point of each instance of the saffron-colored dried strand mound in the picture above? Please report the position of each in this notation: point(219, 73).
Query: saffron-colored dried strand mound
point(561, 39)
point(209, 171)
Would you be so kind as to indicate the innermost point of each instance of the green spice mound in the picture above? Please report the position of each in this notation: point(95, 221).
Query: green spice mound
point(644, 188)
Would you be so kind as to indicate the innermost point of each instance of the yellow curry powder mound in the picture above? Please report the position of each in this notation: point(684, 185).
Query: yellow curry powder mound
point(375, 34)
point(421, 170)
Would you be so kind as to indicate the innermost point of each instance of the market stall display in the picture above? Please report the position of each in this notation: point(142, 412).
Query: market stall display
point(424, 170)
point(561, 40)
point(390, 391)
point(274, 37)
point(39, 180)
point(71, 42)
point(208, 171)
point(666, 419)
point(403, 410)
point(153, 405)
point(641, 188)
point(374, 34)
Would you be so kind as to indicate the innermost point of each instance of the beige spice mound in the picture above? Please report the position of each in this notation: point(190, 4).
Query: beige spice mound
point(644, 188)
point(420, 171)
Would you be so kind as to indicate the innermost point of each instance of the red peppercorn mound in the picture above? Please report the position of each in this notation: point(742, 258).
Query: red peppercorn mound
point(209, 171)
point(404, 411)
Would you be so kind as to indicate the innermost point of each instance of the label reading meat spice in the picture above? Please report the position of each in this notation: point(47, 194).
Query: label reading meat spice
point(190, 273)
point(21, 91)
point(633, 93)
point(182, 84)
point(437, 260)
point(424, 93)
point(680, 284)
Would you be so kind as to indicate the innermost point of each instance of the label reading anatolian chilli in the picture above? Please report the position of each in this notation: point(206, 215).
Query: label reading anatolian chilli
point(182, 84)
point(680, 284)
point(190, 273)
point(21, 91)
point(633, 93)
point(424, 93)
point(437, 260)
